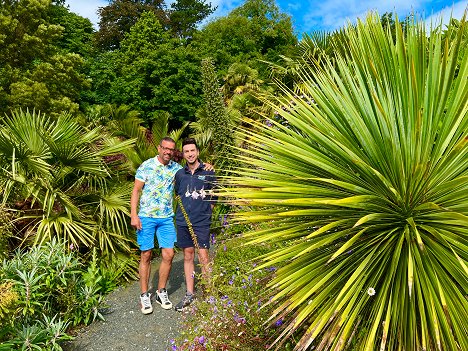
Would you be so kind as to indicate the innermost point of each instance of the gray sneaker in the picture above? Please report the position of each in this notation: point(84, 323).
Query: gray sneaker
point(163, 299)
point(187, 300)
point(145, 301)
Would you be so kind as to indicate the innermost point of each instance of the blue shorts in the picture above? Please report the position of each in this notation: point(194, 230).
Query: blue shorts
point(165, 232)
point(184, 239)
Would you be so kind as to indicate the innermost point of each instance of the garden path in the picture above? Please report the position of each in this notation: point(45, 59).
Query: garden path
point(125, 328)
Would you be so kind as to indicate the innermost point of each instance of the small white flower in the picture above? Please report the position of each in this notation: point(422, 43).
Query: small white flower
point(371, 291)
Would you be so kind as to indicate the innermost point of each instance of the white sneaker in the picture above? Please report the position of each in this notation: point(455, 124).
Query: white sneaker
point(163, 299)
point(145, 301)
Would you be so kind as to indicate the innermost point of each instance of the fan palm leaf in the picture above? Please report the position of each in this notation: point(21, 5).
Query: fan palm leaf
point(365, 184)
point(55, 171)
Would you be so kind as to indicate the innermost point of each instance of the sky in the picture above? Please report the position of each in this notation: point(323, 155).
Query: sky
point(313, 15)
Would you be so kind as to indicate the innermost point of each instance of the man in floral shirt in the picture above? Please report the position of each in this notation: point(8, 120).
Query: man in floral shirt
point(154, 180)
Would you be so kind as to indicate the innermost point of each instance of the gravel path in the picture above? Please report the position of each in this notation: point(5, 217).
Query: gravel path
point(126, 328)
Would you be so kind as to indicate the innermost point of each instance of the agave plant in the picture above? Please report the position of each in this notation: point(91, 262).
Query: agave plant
point(53, 171)
point(365, 185)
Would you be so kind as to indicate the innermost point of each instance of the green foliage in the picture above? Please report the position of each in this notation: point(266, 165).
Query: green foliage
point(185, 15)
point(45, 334)
point(6, 230)
point(34, 71)
point(54, 172)
point(152, 73)
point(51, 87)
point(255, 31)
point(216, 119)
point(8, 300)
point(52, 289)
point(117, 18)
point(77, 32)
point(364, 176)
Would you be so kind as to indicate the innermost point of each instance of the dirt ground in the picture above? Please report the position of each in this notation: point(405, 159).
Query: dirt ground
point(126, 328)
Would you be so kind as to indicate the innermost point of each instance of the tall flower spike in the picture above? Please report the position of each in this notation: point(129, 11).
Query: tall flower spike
point(189, 224)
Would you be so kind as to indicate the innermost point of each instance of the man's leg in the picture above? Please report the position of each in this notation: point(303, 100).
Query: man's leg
point(145, 239)
point(145, 270)
point(166, 237)
point(165, 267)
point(189, 269)
point(204, 258)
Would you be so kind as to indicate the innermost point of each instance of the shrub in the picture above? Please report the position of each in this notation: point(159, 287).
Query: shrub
point(53, 286)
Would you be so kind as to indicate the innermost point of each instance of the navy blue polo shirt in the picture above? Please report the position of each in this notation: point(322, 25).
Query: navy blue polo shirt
point(195, 190)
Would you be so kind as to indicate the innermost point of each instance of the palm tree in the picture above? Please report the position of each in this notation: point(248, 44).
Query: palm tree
point(366, 188)
point(54, 173)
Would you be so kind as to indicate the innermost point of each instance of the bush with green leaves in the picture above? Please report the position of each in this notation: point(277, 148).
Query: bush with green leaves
point(367, 178)
point(53, 285)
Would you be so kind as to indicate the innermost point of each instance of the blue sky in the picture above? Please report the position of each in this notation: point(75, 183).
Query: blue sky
point(311, 15)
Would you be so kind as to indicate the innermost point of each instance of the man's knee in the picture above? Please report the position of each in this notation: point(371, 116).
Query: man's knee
point(203, 256)
point(167, 254)
point(145, 257)
point(189, 254)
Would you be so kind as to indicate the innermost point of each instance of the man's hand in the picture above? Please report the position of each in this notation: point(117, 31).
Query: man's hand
point(208, 167)
point(136, 222)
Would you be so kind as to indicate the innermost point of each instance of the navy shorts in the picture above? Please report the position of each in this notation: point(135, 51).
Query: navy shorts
point(185, 240)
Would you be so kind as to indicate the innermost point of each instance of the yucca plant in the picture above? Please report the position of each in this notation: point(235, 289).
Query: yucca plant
point(365, 184)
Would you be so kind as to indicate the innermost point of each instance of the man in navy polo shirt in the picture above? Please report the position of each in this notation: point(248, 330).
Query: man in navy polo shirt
point(194, 185)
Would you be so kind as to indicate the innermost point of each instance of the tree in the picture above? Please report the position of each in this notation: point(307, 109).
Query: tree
point(120, 15)
point(254, 32)
point(185, 15)
point(152, 73)
point(365, 187)
point(50, 87)
point(34, 71)
point(77, 32)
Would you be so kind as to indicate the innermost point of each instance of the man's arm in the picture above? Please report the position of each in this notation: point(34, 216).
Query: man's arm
point(135, 220)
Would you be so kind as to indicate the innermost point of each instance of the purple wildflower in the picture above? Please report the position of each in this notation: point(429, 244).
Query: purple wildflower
point(279, 322)
point(201, 339)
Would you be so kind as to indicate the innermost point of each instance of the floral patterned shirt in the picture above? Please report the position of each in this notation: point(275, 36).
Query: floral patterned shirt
point(157, 193)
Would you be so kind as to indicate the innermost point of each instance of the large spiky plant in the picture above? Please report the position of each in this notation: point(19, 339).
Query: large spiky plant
point(365, 183)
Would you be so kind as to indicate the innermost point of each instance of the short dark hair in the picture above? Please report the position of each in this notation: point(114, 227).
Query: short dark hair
point(189, 141)
point(166, 138)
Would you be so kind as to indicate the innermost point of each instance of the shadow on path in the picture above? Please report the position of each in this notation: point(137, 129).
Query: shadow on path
point(126, 328)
